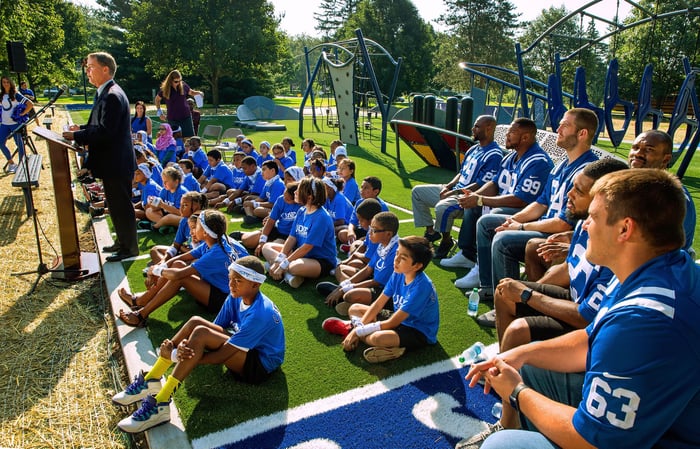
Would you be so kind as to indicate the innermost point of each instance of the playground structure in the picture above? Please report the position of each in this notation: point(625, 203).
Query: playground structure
point(518, 95)
point(347, 68)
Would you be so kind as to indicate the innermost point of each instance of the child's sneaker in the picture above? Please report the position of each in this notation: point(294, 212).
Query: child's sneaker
point(138, 390)
point(293, 281)
point(342, 308)
point(149, 415)
point(336, 326)
point(345, 248)
point(378, 354)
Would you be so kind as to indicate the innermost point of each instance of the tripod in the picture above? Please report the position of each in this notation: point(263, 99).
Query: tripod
point(42, 268)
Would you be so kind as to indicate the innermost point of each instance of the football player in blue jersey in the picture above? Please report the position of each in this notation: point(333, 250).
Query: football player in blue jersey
point(630, 379)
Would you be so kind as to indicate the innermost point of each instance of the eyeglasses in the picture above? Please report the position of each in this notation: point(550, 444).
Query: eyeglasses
point(375, 230)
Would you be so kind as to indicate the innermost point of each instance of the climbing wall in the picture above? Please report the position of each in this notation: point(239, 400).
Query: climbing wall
point(342, 77)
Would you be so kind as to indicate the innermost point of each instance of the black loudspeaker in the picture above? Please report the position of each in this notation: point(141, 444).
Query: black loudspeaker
point(17, 57)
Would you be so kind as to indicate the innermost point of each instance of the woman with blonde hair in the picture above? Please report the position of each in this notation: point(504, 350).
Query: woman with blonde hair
point(174, 91)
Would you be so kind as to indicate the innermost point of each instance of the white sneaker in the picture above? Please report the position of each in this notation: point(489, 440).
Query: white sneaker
point(457, 261)
point(150, 414)
point(293, 281)
point(471, 280)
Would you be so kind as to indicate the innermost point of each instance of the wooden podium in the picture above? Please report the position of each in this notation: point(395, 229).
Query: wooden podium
point(72, 264)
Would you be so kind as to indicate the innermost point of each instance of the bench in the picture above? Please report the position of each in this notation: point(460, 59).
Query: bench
point(548, 142)
point(27, 180)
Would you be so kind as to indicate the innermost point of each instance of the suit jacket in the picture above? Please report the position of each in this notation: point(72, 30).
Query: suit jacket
point(108, 135)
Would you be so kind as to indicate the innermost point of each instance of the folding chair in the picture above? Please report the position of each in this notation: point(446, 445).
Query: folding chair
point(211, 135)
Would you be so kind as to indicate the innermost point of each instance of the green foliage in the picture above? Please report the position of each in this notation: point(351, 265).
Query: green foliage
point(569, 36)
point(661, 43)
point(334, 14)
point(477, 31)
point(396, 26)
point(209, 38)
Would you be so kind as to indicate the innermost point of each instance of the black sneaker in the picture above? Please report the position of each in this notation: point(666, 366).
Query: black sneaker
point(432, 236)
point(444, 249)
point(252, 220)
point(236, 235)
point(82, 206)
point(326, 288)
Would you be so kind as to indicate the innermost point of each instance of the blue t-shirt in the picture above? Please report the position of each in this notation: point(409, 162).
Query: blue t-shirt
point(560, 181)
point(239, 178)
point(292, 154)
point(167, 155)
point(480, 165)
point(383, 264)
point(525, 177)
point(149, 189)
point(221, 173)
point(353, 218)
point(352, 191)
point(157, 170)
point(286, 161)
point(190, 183)
point(256, 183)
point(284, 215)
point(199, 159)
point(260, 159)
point(212, 262)
point(173, 198)
point(339, 208)
point(182, 236)
point(588, 282)
point(315, 229)
point(641, 385)
point(419, 300)
point(258, 326)
point(273, 191)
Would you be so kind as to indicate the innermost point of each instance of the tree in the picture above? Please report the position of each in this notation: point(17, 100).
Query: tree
point(396, 26)
point(210, 38)
point(42, 25)
point(663, 43)
point(565, 39)
point(333, 15)
point(477, 31)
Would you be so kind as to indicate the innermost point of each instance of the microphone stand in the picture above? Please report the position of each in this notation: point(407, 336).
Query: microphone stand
point(42, 268)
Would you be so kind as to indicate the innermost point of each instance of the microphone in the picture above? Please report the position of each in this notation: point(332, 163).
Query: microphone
point(62, 88)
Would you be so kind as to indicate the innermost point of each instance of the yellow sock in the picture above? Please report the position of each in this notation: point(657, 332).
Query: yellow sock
point(160, 367)
point(168, 389)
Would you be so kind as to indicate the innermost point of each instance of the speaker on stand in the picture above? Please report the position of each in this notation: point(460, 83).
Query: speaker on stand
point(17, 57)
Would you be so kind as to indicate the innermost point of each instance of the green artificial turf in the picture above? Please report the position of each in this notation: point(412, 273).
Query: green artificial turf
point(315, 365)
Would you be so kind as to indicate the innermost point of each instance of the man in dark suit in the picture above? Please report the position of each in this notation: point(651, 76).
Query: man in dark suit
point(110, 151)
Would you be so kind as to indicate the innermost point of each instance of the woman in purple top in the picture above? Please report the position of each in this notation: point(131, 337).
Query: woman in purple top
point(174, 91)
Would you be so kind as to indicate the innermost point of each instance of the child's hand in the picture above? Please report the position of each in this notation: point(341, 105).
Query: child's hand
point(334, 297)
point(351, 341)
point(184, 352)
point(166, 348)
point(276, 272)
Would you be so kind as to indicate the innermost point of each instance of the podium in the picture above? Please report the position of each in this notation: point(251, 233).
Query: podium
point(73, 264)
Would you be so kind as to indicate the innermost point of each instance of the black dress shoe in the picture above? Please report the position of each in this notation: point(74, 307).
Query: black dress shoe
point(83, 206)
point(119, 256)
point(111, 248)
point(326, 288)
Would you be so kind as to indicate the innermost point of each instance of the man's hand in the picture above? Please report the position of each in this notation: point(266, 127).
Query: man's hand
point(467, 200)
point(509, 225)
point(554, 252)
point(509, 289)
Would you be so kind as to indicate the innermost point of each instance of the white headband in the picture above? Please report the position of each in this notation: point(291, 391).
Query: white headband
point(206, 228)
point(329, 183)
point(247, 273)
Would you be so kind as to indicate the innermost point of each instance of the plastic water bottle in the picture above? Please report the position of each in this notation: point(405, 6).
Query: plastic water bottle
point(473, 353)
point(473, 306)
point(497, 410)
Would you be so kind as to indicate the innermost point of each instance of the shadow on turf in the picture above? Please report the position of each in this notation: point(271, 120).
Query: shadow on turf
point(11, 217)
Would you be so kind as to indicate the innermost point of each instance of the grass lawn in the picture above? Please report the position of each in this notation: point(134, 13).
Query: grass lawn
point(315, 365)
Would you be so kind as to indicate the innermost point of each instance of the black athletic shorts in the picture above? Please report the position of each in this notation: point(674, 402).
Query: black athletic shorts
point(411, 338)
point(544, 327)
point(253, 370)
point(216, 299)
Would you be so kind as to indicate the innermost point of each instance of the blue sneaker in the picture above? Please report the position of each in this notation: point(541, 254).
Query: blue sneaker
point(149, 415)
point(138, 390)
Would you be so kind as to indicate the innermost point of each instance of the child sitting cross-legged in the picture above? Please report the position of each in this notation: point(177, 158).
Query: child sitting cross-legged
point(414, 323)
point(247, 336)
point(367, 284)
point(277, 226)
point(259, 207)
point(191, 203)
point(164, 210)
point(309, 251)
point(202, 272)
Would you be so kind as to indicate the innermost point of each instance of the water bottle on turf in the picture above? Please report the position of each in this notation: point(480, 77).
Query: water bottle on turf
point(472, 354)
point(473, 306)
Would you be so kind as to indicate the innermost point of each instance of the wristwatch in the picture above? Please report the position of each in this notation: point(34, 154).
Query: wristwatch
point(525, 295)
point(479, 200)
point(513, 398)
